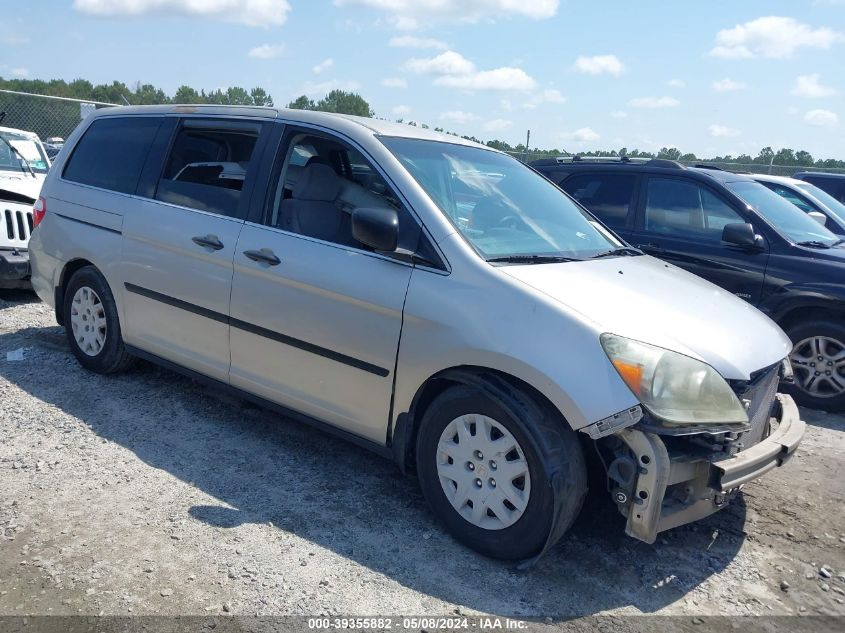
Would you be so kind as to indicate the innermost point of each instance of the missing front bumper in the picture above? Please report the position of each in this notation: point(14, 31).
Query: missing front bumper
point(672, 490)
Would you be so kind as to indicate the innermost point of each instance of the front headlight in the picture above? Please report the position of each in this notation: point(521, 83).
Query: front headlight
point(675, 388)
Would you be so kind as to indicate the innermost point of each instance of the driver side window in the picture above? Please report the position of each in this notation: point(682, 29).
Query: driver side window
point(320, 183)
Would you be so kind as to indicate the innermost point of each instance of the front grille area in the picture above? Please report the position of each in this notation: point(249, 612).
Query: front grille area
point(17, 225)
point(760, 394)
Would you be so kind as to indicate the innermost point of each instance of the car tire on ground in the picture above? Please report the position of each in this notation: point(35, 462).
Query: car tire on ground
point(818, 362)
point(501, 474)
point(92, 325)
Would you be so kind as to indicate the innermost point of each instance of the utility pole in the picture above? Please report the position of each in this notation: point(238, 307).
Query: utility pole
point(527, 141)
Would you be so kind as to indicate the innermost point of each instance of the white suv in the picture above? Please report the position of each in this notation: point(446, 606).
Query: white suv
point(23, 166)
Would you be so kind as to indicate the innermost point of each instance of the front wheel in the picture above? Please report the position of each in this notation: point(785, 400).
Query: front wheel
point(818, 362)
point(92, 325)
point(486, 467)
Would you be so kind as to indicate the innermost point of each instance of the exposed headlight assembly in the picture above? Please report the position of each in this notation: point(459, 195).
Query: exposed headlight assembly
point(677, 389)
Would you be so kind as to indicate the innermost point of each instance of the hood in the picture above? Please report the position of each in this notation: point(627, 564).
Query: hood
point(648, 300)
point(22, 184)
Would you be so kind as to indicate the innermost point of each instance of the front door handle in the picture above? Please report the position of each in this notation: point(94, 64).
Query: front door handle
point(264, 256)
point(209, 241)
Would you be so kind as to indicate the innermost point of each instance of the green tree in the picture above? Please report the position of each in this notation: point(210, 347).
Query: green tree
point(186, 94)
point(302, 103)
point(344, 102)
point(784, 156)
point(260, 97)
point(765, 156)
point(669, 153)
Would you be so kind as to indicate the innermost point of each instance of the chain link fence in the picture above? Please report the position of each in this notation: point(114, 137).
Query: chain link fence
point(751, 168)
point(49, 117)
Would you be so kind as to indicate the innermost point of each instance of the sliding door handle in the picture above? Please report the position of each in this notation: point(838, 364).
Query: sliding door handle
point(264, 256)
point(208, 241)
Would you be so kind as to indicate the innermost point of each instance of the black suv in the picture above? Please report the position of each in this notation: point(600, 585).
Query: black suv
point(738, 234)
point(834, 184)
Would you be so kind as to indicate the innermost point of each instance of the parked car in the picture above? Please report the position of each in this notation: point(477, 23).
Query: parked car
point(23, 165)
point(733, 231)
point(427, 297)
point(834, 184)
point(53, 146)
point(813, 201)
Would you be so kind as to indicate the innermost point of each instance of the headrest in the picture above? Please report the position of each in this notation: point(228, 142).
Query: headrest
point(317, 183)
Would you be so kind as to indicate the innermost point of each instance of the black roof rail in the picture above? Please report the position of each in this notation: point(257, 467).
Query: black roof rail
point(664, 163)
point(599, 159)
point(706, 166)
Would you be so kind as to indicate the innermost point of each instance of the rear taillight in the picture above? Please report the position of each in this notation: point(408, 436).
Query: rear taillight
point(39, 211)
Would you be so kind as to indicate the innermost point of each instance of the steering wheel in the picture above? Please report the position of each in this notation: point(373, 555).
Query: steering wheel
point(510, 222)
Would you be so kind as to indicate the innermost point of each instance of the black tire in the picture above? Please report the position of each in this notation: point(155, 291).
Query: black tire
point(112, 357)
point(801, 332)
point(551, 449)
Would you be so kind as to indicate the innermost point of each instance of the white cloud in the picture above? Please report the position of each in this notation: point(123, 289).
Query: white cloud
point(550, 95)
point(457, 116)
point(771, 36)
point(448, 63)
point(20, 72)
point(456, 71)
point(409, 41)
point(267, 51)
point(619, 114)
point(505, 78)
point(654, 102)
point(249, 12)
point(809, 86)
point(728, 85)
point(582, 135)
point(720, 131)
point(402, 110)
point(323, 66)
point(599, 64)
point(821, 118)
point(506, 105)
point(394, 82)
point(676, 83)
point(319, 89)
point(412, 14)
point(497, 125)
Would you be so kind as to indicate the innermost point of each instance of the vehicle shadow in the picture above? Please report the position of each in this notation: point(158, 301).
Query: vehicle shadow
point(342, 498)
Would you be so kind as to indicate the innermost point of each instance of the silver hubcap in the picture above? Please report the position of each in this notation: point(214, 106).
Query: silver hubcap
point(483, 471)
point(88, 321)
point(819, 366)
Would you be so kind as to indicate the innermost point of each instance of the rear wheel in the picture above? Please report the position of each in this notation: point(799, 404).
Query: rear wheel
point(486, 467)
point(91, 323)
point(818, 362)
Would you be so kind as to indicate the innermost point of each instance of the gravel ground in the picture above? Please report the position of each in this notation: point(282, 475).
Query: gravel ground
point(146, 493)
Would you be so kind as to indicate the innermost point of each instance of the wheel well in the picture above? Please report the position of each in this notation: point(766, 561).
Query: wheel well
point(70, 268)
point(405, 436)
point(809, 313)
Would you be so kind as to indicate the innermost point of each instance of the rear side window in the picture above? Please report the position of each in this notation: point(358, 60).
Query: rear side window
point(207, 165)
point(608, 196)
point(112, 153)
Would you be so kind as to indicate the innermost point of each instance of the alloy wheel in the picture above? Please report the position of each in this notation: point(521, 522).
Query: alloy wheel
point(818, 363)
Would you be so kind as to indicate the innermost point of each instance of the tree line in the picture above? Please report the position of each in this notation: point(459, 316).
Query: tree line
point(344, 102)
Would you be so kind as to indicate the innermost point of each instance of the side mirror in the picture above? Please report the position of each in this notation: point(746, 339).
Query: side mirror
point(819, 217)
point(740, 234)
point(376, 227)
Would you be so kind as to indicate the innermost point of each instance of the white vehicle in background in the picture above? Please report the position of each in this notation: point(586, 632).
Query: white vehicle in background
point(815, 202)
point(23, 167)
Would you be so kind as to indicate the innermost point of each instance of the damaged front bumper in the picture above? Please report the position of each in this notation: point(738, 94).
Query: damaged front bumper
point(672, 488)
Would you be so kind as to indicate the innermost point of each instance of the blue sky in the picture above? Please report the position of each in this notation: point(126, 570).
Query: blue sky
point(711, 77)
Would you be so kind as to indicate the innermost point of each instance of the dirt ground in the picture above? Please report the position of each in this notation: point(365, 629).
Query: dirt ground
point(146, 493)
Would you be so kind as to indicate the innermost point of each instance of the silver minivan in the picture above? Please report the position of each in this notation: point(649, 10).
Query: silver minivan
point(424, 296)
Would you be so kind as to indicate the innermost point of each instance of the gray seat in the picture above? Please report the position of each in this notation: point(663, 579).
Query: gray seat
point(311, 210)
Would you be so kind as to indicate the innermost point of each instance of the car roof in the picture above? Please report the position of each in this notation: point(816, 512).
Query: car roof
point(785, 180)
point(344, 123)
point(26, 133)
point(654, 165)
point(825, 174)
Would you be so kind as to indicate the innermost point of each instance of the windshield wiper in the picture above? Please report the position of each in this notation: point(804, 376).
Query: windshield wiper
point(815, 244)
point(21, 159)
point(624, 250)
point(532, 259)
